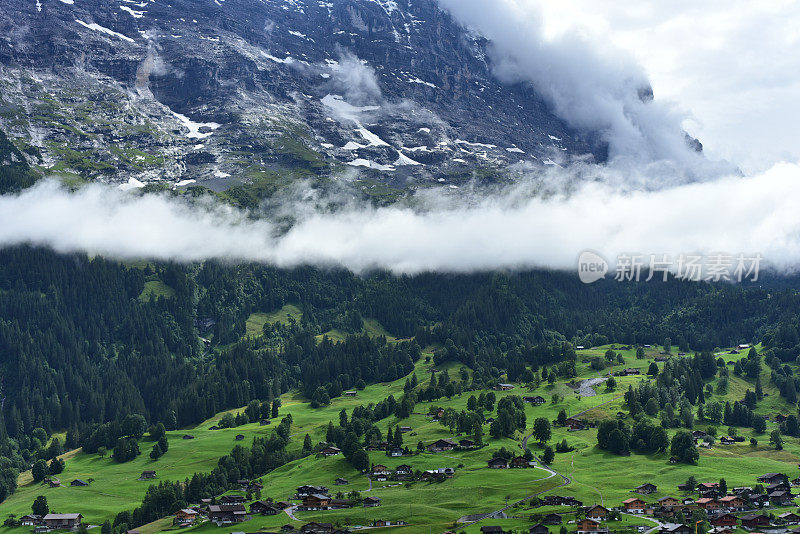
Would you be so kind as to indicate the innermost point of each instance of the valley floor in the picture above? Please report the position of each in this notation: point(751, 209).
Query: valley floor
point(587, 473)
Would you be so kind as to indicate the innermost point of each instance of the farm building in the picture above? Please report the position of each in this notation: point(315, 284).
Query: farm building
point(646, 489)
point(63, 521)
point(498, 463)
point(439, 445)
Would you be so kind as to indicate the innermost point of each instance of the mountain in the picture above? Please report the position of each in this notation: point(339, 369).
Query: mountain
point(265, 92)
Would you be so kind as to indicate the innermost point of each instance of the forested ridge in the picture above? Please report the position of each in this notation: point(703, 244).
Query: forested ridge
point(80, 349)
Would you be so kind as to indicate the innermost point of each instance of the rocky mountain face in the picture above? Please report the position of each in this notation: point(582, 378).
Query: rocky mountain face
point(388, 94)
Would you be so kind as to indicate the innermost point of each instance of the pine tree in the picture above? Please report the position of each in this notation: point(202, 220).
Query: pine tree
point(477, 434)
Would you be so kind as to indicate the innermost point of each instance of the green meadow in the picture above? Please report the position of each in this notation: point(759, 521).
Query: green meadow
point(596, 476)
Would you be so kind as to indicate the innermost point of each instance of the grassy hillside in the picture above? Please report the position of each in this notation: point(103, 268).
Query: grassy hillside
point(596, 476)
point(154, 289)
point(256, 321)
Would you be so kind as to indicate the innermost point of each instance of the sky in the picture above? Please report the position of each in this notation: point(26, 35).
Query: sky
point(733, 66)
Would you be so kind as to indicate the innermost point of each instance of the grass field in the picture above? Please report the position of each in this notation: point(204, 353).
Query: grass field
point(597, 476)
point(154, 289)
point(256, 321)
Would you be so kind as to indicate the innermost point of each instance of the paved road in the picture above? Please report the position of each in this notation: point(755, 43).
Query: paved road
point(566, 480)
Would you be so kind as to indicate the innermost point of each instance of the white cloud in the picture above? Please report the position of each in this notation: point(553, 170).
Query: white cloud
point(511, 229)
point(591, 84)
point(731, 65)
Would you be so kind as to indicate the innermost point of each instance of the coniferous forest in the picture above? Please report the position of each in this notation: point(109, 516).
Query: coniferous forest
point(81, 351)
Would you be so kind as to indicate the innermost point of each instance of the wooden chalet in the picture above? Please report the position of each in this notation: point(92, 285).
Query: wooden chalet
point(504, 387)
point(755, 520)
point(646, 489)
point(31, 520)
point(317, 528)
point(403, 470)
point(634, 505)
point(371, 502)
point(78, 482)
point(442, 445)
point(552, 519)
point(316, 501)
point(185, 516)
point(558, 500)
point(777, 486)
point(380, 469)
point(520, 462)
point(330, 451)
point(790, 518)
point(709, 504)
point(498, 463)
point(780, 498)
point(669, 502)
point(589, 526)
point(264, 508)
point(724, 520)
point(773, 478)
point(732, 503)
point(62, 521)
point(147, 475)
point(536, 400)
point(575, 424)
point(675, 528)
point(302, 491)
point(340, 504)
point(538, 528)
point(225, 514)
point(597, 512)
point(707, 489)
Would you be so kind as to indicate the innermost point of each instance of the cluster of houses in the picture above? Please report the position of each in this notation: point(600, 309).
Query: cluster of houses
point(725, 511)
point(318, 497)
point(702, 439)
point(720, 507)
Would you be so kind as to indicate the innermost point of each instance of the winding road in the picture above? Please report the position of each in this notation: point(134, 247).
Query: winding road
point(565, 479)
